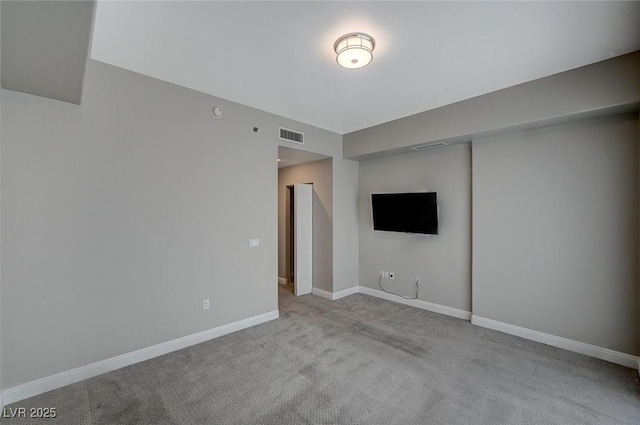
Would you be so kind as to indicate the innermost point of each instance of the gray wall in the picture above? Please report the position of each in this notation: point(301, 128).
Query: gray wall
point(555, 210)
point(555, 231)
point(592, 90)
point(46, 47)
point(345, 224)
point(120, 216)
point(320, 174)
point(442, 261)
point(1, 401)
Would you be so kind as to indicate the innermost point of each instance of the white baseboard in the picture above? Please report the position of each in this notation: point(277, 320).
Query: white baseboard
point(346, 292)
point(335, 295)
point(612, 356)
point(42, 385)
point(425, 305)
point(322, 293)
point(282, 280)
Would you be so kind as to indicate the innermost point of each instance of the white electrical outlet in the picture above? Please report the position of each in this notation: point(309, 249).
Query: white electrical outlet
point(254, 243)
point(392, 275)
point(205, 304)
point(381, 273)
point(386, 275)
point(418, 280)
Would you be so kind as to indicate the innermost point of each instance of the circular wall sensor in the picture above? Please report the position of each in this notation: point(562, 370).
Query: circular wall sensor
point(217, 111)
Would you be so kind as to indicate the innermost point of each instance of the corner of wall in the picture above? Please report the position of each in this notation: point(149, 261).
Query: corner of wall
point(345, 224)
point(1, 401)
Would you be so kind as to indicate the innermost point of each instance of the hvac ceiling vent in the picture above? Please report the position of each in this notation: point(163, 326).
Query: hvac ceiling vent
point(430, 146)
point(291, 135)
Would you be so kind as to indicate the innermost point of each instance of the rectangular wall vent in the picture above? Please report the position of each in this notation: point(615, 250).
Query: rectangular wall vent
point(430, 146)
point(291, 135)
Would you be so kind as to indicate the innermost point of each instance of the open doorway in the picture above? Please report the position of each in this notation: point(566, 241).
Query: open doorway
point(299, 168)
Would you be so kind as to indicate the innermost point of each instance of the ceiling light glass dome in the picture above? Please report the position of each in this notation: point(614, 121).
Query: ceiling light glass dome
point(354, 50)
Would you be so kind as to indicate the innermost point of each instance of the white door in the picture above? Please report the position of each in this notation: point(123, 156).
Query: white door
point(303, 237)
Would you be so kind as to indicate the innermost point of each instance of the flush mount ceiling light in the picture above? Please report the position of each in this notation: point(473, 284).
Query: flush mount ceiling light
point(354, 50)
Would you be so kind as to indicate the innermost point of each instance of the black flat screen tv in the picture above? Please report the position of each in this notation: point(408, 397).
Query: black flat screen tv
point(405, 212)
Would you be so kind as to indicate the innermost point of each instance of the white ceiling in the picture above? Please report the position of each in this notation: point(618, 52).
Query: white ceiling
point(278, 56)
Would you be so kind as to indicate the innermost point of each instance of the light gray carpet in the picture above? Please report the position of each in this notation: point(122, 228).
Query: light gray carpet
point(358, 360)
